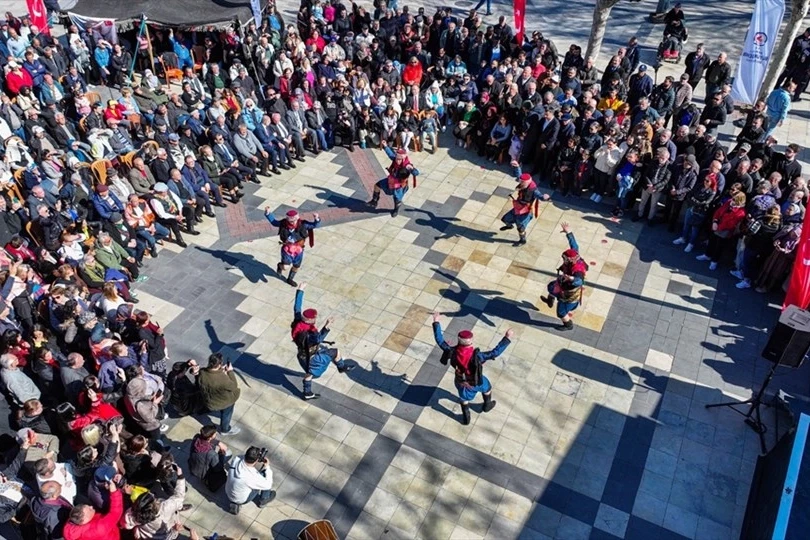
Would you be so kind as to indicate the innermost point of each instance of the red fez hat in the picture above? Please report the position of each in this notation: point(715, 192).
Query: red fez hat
point(525, 177)
point(309, 315)
point(571, 253)
point(465, 337)
point(402, 152)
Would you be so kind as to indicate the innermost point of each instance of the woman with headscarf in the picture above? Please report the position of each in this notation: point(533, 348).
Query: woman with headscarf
point(780, 261)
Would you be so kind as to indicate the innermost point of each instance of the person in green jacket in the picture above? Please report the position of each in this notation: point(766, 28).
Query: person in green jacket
point(219, 391)
point(113, 256)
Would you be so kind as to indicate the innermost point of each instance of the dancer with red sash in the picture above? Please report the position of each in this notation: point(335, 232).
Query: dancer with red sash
point(523, 206)
point(468, 362)
point(313, 355)
point(396, 183)
point(567, 288)
point(293, 232)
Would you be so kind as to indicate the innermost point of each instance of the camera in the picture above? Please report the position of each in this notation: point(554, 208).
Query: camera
point(262, 454)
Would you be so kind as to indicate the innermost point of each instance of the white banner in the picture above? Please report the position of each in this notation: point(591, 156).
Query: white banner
point(256, 7)
point(756, 54)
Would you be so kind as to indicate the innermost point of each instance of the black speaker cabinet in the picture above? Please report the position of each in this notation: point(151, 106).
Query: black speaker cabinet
point(790, 340)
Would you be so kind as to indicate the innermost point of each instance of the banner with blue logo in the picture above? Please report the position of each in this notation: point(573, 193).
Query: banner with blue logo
point(256, 7)
point(757, 49)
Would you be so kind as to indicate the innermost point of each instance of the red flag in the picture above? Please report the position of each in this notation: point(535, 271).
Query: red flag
point(38, 15)
point(798, 293)
point(520, 14)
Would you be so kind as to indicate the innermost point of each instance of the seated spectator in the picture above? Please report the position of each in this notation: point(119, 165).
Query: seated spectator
point(249, 479)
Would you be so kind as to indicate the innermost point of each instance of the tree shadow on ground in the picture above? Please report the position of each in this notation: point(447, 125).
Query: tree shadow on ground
point(255, 271)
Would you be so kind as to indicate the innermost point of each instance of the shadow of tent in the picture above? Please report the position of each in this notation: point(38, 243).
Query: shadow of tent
point(592, 368)
point(254, 270)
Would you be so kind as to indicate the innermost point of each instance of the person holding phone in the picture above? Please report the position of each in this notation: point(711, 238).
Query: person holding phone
point(220, 390)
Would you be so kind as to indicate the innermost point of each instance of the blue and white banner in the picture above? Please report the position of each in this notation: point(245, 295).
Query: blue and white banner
point(757, 49)
point(256, 7)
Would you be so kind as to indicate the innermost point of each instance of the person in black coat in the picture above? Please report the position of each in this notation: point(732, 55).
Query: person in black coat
point(548, 128)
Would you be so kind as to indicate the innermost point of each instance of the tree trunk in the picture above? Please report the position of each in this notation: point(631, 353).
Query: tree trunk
point(601, 12)
point(794, 26)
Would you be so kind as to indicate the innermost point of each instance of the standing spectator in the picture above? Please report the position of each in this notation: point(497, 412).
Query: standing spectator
point(725, 222)
point(50, 510)
point(219, 391)
point(718, 74)
point(655, 180)
point(778, 105)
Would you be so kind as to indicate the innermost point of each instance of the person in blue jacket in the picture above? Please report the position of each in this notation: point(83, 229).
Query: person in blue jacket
point(468, 361)
point(183, 54)
point(102, 58)
point(313, 355)
point(106, 203)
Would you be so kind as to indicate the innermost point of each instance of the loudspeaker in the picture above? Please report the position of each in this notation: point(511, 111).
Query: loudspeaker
point(790, 340)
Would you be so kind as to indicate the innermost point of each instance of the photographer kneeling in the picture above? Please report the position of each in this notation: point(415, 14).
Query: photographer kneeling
point(249, 478)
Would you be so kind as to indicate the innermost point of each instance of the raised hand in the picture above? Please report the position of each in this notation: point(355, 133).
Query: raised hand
point(566, 228)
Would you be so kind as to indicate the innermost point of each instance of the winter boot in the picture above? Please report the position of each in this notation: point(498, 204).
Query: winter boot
point(290, 279)
point(465, 414)
point(395, 211)
point(374, 200)
point(489, 403)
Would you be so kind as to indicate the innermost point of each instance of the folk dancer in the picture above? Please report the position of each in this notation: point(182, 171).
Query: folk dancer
point(567, 288)
point(396, 183)
point(468, 362)
point(523, 206)
point(313, 355)
point(293, 232)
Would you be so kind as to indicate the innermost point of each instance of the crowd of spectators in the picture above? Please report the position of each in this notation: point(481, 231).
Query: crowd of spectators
point(90, 189)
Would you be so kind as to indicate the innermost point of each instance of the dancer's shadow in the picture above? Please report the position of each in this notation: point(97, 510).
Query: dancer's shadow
point(450, 227)
point(353, 205)
point(254, 270)
point(250, 364)
point(399, 387)
point(483, 303)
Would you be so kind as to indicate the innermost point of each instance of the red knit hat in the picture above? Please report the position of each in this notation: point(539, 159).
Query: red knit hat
point(309, 315)
point(571, 253)
point(465, 337)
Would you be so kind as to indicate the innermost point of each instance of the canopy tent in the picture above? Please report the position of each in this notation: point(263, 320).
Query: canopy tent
point(173, 13)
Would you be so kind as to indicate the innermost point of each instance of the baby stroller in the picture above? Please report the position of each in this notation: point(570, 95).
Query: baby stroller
point(675, 35)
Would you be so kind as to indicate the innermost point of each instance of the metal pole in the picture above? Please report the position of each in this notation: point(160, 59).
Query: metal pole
point(149, 48)
point(137, 46)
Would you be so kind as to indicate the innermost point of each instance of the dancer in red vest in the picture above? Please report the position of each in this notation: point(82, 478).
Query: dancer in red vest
point(523, 206)
point(567, 288)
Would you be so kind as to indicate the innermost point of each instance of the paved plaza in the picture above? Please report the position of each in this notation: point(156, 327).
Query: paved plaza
point(598, 433)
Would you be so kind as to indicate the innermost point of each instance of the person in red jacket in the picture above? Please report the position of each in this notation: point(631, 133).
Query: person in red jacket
point(87, 524)
point(17, 78)
point(724, 228)
point(412, 74)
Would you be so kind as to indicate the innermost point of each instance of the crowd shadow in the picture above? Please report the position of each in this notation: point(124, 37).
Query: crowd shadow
point(254, 270)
